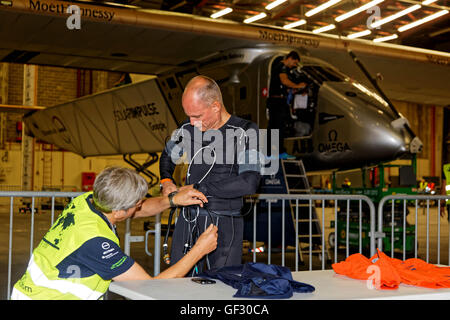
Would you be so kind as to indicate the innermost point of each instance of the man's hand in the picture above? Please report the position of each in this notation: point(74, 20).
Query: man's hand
point(187, 196)
point(168, 187)
point(300, 85)
point(207, 241)
point(189, 186)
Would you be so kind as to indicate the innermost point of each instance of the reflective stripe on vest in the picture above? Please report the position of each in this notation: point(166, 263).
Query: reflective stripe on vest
point(17, 295)
point(77, 289)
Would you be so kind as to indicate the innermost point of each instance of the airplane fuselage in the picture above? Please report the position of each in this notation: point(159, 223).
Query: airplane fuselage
point(351, 124)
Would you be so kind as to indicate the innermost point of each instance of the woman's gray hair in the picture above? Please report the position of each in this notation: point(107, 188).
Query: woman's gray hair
point(117, 188)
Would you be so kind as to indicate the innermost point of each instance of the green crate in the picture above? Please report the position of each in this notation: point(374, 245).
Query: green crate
point(353, 237)
point(398, 239)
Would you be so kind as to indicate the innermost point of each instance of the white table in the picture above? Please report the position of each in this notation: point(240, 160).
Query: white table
point(328, 284)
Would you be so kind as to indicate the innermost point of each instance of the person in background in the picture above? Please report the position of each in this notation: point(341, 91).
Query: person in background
point(277, 104)
point(445, 190)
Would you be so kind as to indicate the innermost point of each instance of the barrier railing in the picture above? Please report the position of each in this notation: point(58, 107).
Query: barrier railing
point(401, 232)
point(271, 199)
point(346, 214)
point(157, 242)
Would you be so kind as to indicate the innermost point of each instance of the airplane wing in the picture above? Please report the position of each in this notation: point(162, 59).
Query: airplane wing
point(130, 119)
point(152, 42)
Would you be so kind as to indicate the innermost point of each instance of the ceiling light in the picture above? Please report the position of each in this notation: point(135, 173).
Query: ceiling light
point(294, 24)
point(382, 39)
point(357, 10)
point(426, 2)
point(323, 29)
point(255, 18)
point(424, 20)
point(119, 5)
point(274, 4)
point(322, 7)
point(359, 34)
point(395, 16)
point(221, 13)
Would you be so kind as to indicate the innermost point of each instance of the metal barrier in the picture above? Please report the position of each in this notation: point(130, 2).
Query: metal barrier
point(157, 242)
point(129, 239)
point(376, 235)
point(33, 195)
point(273, 198)
point(404, 228)
point(270, 198)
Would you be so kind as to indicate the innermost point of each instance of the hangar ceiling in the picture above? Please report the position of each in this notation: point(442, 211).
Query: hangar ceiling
point(156, 41)
point(434, 34)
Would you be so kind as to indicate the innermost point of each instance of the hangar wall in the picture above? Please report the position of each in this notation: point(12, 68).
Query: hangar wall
point(427, 123)
point(61, 169)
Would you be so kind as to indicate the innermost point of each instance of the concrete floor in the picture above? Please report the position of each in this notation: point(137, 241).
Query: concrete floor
point(21, 242)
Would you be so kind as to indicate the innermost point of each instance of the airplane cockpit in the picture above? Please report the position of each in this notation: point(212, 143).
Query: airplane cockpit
point(303, 103)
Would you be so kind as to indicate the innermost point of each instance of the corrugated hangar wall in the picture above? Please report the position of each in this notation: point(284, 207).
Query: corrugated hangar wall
point(427, 122)
point(62, 170)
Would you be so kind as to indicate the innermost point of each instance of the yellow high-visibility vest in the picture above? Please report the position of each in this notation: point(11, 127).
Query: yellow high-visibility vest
point(76, 225)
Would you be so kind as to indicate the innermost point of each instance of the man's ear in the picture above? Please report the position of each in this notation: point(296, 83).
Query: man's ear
point(118, 214)
point(216, 106)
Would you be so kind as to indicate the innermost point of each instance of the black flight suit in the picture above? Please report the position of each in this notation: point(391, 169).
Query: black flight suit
point(224, 181)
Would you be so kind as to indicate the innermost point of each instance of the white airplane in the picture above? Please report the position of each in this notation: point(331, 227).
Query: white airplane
point(137, 118)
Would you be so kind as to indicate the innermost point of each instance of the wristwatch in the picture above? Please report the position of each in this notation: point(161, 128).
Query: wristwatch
point(171, 195)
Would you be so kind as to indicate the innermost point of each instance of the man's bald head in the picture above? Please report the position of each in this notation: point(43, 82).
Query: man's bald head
point(202, 102)
point(204, 90)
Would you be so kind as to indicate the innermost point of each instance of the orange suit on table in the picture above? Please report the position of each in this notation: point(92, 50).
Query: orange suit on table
point(395, 271)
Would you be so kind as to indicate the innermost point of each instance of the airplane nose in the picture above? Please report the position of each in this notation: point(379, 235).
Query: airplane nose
point(413, 144)
point(406, 144)
point(401, 150)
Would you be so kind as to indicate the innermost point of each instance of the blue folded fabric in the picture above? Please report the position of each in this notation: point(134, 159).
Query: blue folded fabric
point(255, 279)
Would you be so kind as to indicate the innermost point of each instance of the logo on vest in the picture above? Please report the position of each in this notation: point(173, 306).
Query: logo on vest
point(109, 252)
point(64, 221)
point(105, 245)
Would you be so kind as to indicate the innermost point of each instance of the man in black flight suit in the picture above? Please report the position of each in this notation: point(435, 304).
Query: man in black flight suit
point(223, 157)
